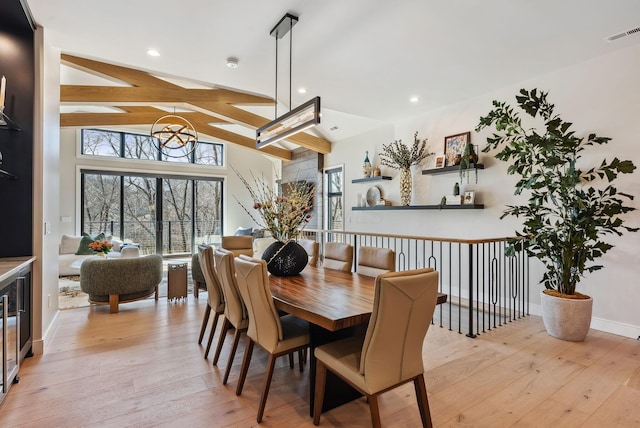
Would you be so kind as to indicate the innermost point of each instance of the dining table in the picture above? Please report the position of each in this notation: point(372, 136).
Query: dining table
point(337, 305)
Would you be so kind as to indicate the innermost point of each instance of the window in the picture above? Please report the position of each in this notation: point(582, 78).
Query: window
point(163, 214)
point(97, 142)
point(334, 186)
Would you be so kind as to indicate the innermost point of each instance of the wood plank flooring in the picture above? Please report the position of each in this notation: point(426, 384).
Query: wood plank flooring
point(143, 367)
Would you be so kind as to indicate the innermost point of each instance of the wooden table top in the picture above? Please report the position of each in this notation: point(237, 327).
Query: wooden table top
point(328, 298)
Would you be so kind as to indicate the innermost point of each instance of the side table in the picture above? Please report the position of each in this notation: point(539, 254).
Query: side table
point(177, 280)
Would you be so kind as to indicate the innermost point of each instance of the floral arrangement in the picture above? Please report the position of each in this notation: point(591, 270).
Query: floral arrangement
point(398, 155)
point(283, 216)
point(101, 246)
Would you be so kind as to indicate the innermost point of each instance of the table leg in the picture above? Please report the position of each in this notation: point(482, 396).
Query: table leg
point(336, 392)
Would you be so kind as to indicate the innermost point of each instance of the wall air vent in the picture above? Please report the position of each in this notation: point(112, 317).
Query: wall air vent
point(623, 34)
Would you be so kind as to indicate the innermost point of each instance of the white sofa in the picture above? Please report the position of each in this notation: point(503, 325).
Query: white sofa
point(69, 245)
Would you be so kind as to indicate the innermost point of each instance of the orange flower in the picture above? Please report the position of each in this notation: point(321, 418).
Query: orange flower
point(101, 246)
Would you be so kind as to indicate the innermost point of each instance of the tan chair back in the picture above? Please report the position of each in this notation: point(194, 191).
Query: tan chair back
point(234, 308)
point(242, 244)
point(338, 256)
point(402, 310)
point(312, 248)
point(215, 296)
point(264, 322)
point(373, 261)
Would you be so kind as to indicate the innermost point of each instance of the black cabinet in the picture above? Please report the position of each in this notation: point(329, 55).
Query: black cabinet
point(15, 325)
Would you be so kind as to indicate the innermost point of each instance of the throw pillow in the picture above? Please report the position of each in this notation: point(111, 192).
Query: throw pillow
point(69, 244)
point(83, 248)
point(244, 231)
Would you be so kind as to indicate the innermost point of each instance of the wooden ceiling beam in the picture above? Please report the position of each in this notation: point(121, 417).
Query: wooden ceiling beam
point(213, 104)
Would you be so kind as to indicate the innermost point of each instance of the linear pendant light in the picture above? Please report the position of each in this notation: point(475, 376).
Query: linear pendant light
point(297, 120)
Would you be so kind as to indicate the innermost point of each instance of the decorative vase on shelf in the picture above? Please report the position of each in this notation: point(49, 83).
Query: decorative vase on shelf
point(285, 259)
point(366, 167)
point(405, 186)
point(101, 254)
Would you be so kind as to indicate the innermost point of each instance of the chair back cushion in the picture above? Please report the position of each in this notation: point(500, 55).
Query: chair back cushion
point(373, 261)
point(338, 256)
point(312, 248)
point(264, 321)
point(238, 245)
point(234, 309)
point(402, 310)
point(215, 296)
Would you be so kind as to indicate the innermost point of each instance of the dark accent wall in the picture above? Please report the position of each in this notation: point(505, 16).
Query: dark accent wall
point(17, 64)
point(307, 165)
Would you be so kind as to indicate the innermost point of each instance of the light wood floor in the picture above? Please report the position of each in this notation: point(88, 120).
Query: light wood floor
point(143, 367)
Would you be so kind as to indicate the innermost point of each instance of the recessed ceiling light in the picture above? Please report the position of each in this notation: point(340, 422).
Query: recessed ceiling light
point(232, 62)
point(153, 52)
point(414, 99)
point(302, 91)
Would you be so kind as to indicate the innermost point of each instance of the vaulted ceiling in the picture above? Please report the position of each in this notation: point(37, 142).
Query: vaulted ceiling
point(365, 58)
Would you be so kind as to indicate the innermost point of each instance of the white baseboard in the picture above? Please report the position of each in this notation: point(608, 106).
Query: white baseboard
point(601, 324)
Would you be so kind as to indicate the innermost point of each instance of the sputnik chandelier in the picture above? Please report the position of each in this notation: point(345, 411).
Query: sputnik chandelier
point(174, 135)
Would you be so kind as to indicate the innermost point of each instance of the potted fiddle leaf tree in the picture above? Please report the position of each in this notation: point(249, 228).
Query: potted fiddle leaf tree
point(570, 207)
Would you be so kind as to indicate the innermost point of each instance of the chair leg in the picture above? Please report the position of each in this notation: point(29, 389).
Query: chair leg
point(205, 320)
point(113, 303)
point(291, 363)
point(423, 401)
point(234, 347)
point(267, 384)
point(301, 358)
point(226, 325)
point(196, 289)
point(321, 379)
point(156, 295)
point(375, 411)
point(211, 333)
point(246, 360)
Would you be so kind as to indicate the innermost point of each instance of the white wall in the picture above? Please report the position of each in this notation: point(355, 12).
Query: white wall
point(597, 96)
point(245, 161)
point(46, 189)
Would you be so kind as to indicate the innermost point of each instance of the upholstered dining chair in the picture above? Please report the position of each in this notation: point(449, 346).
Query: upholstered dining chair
point(312, 248)
point(215, 297)
point(275, 334)
point(390, 354)
point(373, 261)
point(338, 256)
point(235, 312)
point(238, 244)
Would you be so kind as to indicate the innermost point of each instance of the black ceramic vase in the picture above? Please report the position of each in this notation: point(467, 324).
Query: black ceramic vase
point(285, 259)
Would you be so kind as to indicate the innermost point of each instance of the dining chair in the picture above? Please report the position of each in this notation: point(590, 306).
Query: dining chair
point(278, 335)
point(235, 312)
point(373, 261)
point(338, 256)
point(238, 244)
point(390, 353)
point(312, 248)
point(215, 297)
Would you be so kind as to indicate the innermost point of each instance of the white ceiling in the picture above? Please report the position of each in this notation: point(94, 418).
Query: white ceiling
point(365, 58)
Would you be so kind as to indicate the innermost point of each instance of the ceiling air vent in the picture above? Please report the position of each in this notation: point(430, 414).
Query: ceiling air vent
point(623, 34)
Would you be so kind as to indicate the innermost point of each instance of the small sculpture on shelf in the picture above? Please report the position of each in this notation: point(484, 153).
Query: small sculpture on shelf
point(366, 167)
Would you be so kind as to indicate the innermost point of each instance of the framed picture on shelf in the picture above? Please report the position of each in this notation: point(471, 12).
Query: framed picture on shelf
point(469, 197)
point(454, 144)
point(439, 161)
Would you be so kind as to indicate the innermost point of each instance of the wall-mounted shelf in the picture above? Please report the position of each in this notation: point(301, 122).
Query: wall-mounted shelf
point(420, 207)
point(452, 168)
point(7, 124)
point(369, 179)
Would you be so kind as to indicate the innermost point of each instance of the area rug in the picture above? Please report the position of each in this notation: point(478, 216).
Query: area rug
point(71, 296)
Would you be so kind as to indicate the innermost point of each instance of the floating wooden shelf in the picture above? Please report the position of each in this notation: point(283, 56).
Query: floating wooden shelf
point(452, 168)
point(420, 207)
point(368, 179)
